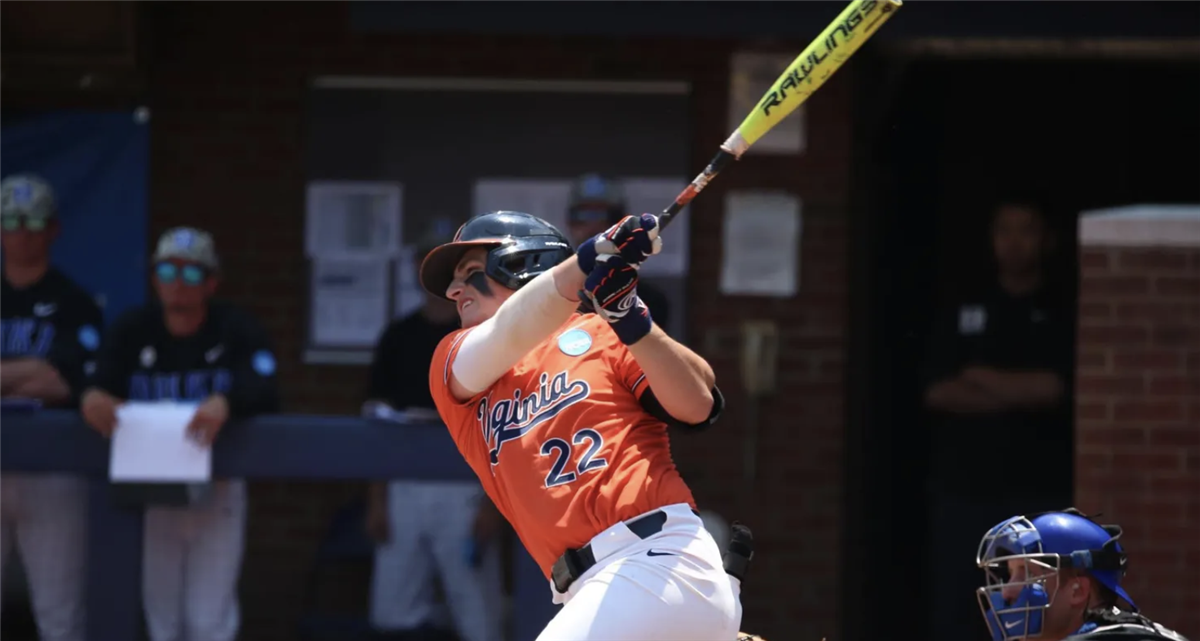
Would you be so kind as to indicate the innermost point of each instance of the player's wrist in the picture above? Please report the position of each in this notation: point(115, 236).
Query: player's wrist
point(567, 281)
point(633, 326)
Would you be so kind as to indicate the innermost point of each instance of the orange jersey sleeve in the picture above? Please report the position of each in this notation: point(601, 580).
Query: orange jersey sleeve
point(561, 443)
point(457, 415)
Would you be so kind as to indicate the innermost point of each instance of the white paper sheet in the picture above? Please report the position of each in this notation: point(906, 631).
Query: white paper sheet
point(349, 301)
point(545, 198)
point(150, 444)
point(353, 218)
point(761, 244)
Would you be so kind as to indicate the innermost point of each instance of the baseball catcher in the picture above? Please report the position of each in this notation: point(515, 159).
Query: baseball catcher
point(1057, 576)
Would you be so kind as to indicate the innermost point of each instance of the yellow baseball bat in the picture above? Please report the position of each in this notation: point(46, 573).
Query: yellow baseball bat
point(806, 74)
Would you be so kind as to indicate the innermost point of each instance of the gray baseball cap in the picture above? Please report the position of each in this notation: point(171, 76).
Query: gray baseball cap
point(187, 243)
point(27, 195)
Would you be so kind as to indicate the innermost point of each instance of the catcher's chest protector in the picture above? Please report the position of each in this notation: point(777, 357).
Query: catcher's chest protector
point(1115, 625)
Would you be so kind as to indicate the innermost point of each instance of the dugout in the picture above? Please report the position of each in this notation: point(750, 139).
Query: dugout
point(954, 125)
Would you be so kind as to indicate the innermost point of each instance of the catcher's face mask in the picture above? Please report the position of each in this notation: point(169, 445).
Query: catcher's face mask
point(1021, 580)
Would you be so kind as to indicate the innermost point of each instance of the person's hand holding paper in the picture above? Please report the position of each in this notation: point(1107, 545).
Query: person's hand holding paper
point(152, 443)
point(209, 418)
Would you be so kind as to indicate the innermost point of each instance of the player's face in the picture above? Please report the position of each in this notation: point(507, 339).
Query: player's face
point(1017, 239)
point(476, 294)
point(27, 240)
point(183, 286)
point(1057, 618)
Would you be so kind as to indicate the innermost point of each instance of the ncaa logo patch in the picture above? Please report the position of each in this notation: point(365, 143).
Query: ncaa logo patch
point(574, 342)
point(263, 363)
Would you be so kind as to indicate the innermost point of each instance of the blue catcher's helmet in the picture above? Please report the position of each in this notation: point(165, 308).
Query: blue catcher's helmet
point(1014, 605)
point(520, 246)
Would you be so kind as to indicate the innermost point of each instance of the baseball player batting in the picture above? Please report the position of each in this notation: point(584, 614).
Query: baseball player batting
point(1057, 576)
point(564, 416)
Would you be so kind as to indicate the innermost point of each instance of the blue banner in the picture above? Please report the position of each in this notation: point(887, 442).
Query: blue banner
point(97, 164)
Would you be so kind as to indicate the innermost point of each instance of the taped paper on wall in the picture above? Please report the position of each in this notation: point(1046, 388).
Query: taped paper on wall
point(349, 301)
point(761, 244)
point(352, 218)
point(545, 198)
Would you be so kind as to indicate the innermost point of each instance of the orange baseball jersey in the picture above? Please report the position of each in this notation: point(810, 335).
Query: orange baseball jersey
point(561, 443)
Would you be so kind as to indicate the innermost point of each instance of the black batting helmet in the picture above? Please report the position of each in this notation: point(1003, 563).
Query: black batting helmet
point(520, 246)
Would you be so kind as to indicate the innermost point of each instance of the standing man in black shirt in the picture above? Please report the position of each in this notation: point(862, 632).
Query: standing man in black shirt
point(51, 330)
point(998, 384)
point(186, 347)
point(425, 529)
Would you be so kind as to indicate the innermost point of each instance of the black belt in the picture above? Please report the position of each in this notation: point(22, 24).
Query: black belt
point(573, 563)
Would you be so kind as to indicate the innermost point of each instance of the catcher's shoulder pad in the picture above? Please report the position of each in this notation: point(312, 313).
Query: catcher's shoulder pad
point(1116, 625)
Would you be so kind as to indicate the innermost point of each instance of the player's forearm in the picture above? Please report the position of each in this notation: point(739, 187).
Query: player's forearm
point(14, 373)
point(524, 320)
point(682, 385)
point(38, 379)
point(960, 397)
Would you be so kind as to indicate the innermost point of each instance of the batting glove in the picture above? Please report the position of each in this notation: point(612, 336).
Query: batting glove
point(611, 287)
point(634, 238)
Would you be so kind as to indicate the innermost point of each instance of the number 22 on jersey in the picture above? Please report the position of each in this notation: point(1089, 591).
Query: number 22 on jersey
point(562, 451)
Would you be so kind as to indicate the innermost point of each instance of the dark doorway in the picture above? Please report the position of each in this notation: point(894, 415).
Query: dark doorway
point(939, 142)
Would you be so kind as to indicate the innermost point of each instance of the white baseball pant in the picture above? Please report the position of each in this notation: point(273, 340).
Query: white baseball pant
point(45, 516)
point(670, 586)
point(430, 525)
point(191, 560)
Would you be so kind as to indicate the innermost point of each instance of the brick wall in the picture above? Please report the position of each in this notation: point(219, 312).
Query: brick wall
point(1138, 403)
point(227, 84)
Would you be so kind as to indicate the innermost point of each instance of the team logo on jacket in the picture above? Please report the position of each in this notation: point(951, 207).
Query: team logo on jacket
point(511, 418)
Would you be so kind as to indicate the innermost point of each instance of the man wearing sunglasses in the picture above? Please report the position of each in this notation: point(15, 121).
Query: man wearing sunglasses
point(51, 330)
point(186, 347)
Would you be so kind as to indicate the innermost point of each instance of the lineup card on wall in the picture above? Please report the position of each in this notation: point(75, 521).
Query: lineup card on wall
point(353, 235)
point(548, 198)
point(353, 218)
point(350, 301)
point(761, 244)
